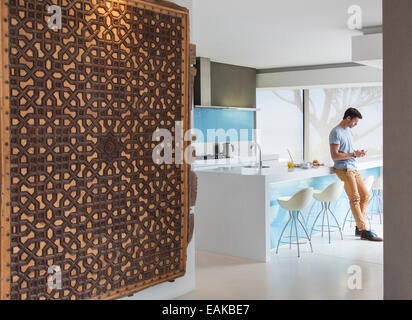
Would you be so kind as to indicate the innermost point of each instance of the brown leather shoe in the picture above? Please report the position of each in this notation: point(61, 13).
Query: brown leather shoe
point(369, 235)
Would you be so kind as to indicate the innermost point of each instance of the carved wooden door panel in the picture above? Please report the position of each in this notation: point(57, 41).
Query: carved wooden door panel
point(82, 199)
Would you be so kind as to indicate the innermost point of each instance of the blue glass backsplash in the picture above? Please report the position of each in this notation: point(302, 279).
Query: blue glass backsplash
point(209, 118)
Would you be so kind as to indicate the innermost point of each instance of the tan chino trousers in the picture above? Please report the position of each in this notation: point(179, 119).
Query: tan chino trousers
point(357, 193)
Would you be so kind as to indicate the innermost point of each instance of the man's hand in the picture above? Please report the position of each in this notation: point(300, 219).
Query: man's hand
point(360, 153)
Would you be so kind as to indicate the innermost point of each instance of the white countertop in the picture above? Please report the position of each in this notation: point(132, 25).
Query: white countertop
point(280, 171)
point(234, 161)
point(235, 201)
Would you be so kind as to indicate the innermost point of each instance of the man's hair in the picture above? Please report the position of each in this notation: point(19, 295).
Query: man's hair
point(352, 113)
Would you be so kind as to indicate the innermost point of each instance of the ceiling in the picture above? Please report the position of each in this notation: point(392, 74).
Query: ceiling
point(277, 33)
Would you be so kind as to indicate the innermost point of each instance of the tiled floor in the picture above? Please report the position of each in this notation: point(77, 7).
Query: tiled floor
point(319, 275)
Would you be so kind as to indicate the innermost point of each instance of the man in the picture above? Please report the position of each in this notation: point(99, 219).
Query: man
point(344, 157)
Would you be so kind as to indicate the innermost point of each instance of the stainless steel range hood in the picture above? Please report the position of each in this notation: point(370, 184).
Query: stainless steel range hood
point(203, 87)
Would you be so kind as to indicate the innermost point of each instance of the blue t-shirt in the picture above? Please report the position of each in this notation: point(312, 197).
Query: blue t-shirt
point(343, 137)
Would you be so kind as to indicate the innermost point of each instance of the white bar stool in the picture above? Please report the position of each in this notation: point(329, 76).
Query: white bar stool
point(295, 204)
point(377, 189)
point(330, 194)
point(368, 182)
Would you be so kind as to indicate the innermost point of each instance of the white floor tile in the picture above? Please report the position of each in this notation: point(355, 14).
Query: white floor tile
point(319, 275)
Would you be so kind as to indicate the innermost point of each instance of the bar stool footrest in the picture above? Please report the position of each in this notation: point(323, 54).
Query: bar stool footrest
point(336, 228)
point(305, 240)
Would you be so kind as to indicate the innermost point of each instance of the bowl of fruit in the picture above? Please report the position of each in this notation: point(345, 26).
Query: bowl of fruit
point(316, 163)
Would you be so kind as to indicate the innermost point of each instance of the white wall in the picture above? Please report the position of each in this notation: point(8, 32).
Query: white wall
point(325, 78)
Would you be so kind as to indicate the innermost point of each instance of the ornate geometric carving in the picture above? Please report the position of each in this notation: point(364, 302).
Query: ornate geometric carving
point(84, 103)
point(109, 147)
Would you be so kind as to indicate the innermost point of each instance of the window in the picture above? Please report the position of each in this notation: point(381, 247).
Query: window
point(280, 122)
point(326, 110)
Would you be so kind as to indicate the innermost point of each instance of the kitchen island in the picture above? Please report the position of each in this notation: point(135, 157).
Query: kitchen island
point(236, 212)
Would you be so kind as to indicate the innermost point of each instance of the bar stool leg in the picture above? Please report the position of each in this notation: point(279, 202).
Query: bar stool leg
point(303, 219)
point(316, 219)
point(327, 217)
point(344, 221)
point(310, 213)
point(297, 234)
point(323, 217)
point(325, 211)
point(281, 235)
point(337, 223)
point(304, 229)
